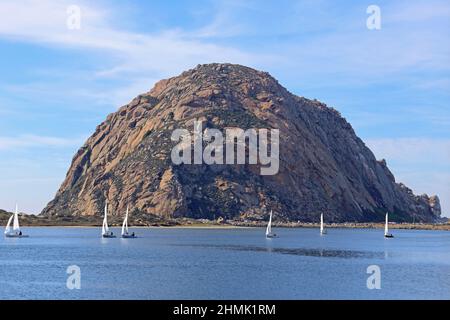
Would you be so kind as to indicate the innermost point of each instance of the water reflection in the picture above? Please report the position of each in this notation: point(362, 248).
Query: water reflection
point(325, 253)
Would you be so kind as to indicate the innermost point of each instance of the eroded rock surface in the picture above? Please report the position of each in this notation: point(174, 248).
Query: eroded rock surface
point(324, 166)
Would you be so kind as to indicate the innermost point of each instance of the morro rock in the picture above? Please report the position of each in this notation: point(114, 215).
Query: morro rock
point(324, 166)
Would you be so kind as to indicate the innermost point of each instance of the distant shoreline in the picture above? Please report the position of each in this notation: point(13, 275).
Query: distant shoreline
point(145, 221)
point(142, 227)
point(398, 226)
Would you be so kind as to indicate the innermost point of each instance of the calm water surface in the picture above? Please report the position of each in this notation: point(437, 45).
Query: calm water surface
point(225, 264)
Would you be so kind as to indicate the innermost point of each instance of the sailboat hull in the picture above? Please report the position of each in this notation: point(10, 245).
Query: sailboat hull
point(8, 235)
point(128, 236)
point(271, 235)
point(388, 236)
point(108, 236)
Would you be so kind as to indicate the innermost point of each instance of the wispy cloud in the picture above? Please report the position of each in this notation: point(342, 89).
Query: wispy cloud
point(411, 41)
point(225, 20)
point(408, 11)
point(168, 51)
point(35, 141)
point(412, 150)
point(357, 55)
point(86, 96)
point(321, 46)
point(355, 49)
point(141, 58)
point(422, 164)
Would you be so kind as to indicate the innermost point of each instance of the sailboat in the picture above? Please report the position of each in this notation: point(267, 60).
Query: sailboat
point(322, 229)
point(125, 233)
point(386, 229)
point(15, 232)
point(105, 229)
point(269, 233)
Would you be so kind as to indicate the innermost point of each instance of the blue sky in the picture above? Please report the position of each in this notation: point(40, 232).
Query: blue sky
point(57, 84)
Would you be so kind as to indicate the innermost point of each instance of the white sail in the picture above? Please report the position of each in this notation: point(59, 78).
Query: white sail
point(386, 229)
point(8, 225)
point(125, 224)
point(321, 223)
point(105, 228)
point(16, 226)
point(269, 226)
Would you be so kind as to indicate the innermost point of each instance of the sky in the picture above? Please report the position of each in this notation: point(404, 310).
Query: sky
point(58, 81)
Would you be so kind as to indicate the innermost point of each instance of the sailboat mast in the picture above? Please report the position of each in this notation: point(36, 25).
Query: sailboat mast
point(105, 220)
point(16, 226)
point(125, 224)
point(126, 221)
point(386, 229)
point(269, 226)
point(321, 222)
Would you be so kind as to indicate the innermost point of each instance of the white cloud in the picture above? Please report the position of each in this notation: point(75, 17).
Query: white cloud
point(225, 20)
point(419, 11)
point(140, 58)
point(345, 51)
point(29, 140)
point(438, 115)
point(412, 150)
point(405, 41)
point(423, 164)
point(331, 46)
point(439, 83)
point(167, 52)
point(87, 95)
point(355, 53)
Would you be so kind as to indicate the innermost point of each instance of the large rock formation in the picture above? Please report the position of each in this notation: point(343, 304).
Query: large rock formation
point(324, 166)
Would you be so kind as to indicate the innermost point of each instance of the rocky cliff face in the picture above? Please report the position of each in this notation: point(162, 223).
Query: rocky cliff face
point(324, 166)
